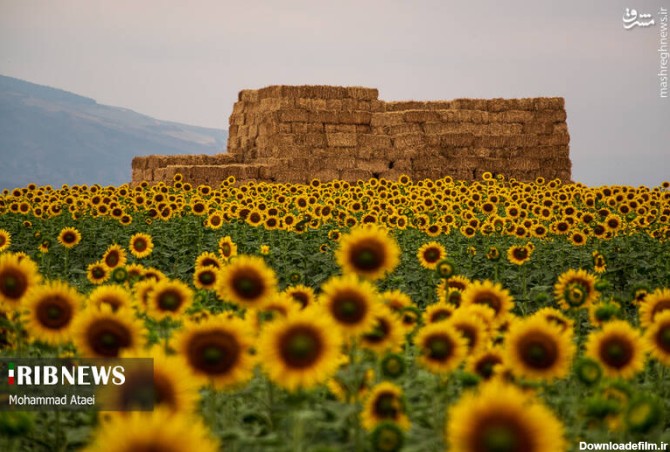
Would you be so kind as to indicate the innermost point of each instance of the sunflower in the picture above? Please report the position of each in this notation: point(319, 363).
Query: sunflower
point(141, 245)
point(537, 350)
point(437, 312)
point(657, 338)
point(97, 273)
point(204, 278)
point(441, 347)
point(350, 302)
point(430, 254)
point(103, 334)
point(385, 402)
point(169, 380)
point(218, 351)
point(519, 255)
point(396, 300)
point(278, 305)
point(69, 237)
point(492, 295)
point(160, 429)
point(368, 251)
point(208, 259)
point(50, 311)
point(227, 248)
point(300, 351)
point(575, 289)
point(113, 296)
point(247, 281)
point(301, 294)
point(619, 348)
point(388, 334)
point(115, 256)
point(169, 298)
point(654, 303)
point(556, 317)
point(141, 291)
point(500, 417)
point(17, 276)
point(472, 328)
point(214, 221)
point(484, 363)
point(5, 240)
point(599, 262)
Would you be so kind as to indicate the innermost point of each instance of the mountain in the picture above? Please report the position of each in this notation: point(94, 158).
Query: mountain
point(50, 136)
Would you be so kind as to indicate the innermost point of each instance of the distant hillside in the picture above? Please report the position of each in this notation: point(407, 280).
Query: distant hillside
point(50, 136)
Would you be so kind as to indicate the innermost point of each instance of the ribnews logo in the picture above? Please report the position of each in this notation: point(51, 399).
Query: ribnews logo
point(64, 384)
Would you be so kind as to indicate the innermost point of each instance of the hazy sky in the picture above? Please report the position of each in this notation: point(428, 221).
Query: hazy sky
point(186, 60)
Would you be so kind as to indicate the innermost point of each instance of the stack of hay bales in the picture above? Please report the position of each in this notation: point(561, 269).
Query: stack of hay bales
point(297, 133)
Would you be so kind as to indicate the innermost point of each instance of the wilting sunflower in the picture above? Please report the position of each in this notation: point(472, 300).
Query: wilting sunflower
point(350, 302)
point(654, 303)
point(5, 240)
point(204, 278)
point(227, 248)
point(430, 254)
point(575, 289)
point(368, 251)
point(97, 273)
point(17, 276)
point(519, 255)
point(169, 298)
point(160, 429)
point(388, 334)
point(247, 281)
point(113, 296)
point(441, 348)
point(492, 295)
point(218, 351)
point(537, 350)
point(50, 311)
point(69, 237)
point(141, 245)
point(619, 348)
point(657, 338)
point(104, 334)
point(301, 351)
point(500, 417)
point(484, 363)
point(385, 402)
point(301, 294)
point(115, 256)
point(173, 387)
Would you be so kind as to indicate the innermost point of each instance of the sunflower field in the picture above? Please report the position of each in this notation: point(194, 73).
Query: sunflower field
point(493, 315)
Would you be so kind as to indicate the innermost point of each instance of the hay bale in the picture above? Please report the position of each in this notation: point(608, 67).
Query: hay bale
point(540, 128)
point(387, 119)
point(294, 116)
point(334, 104)
point(354, 117)
point(469, 104)
point(310, 139)
point(550, 116)
point(345, 128)
point(377, 106)
point(299, 127)
point(248, 95)
point(408, 140)
point(497, 105)
point(340, 162)
point(404, 129)
point(341, 139)
point(323, 116)
point(374, 141)
point(325, 175)
point(421, 116)
point(556, 139)
point(354, 175)
point(549, 103)
point(373, 165)
point(515, 116)
point(359, 93)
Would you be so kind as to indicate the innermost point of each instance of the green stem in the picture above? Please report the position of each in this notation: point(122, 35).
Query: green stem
point(298, 431)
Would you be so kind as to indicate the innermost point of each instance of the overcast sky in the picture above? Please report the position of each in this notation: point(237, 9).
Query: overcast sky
point(186, 61)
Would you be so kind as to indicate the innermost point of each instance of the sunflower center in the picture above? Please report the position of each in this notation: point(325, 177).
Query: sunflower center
point(441, 314)
point(539, 351)
point(368, 256)
point(107, 337)
point(490, 300)
point(112, 259)
point(54, 313)
point(663, 338)
point(145, 389)
point(485, 366)
point(349, 309)
point(386, 406)
point(439, 348)
point(248, 285)
point(226, 250)
point(301, 298)
point(520, 253)
point(575, 294)
point(616, 352)
point(140, 245)
point(300, 347)
point(169, 301)
point(206, 278)
point(432, 255)
point(69, 237)
point(660, 307)
point(98, 273)
point(13, 284)
point(499, 438)
point(214, 352)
